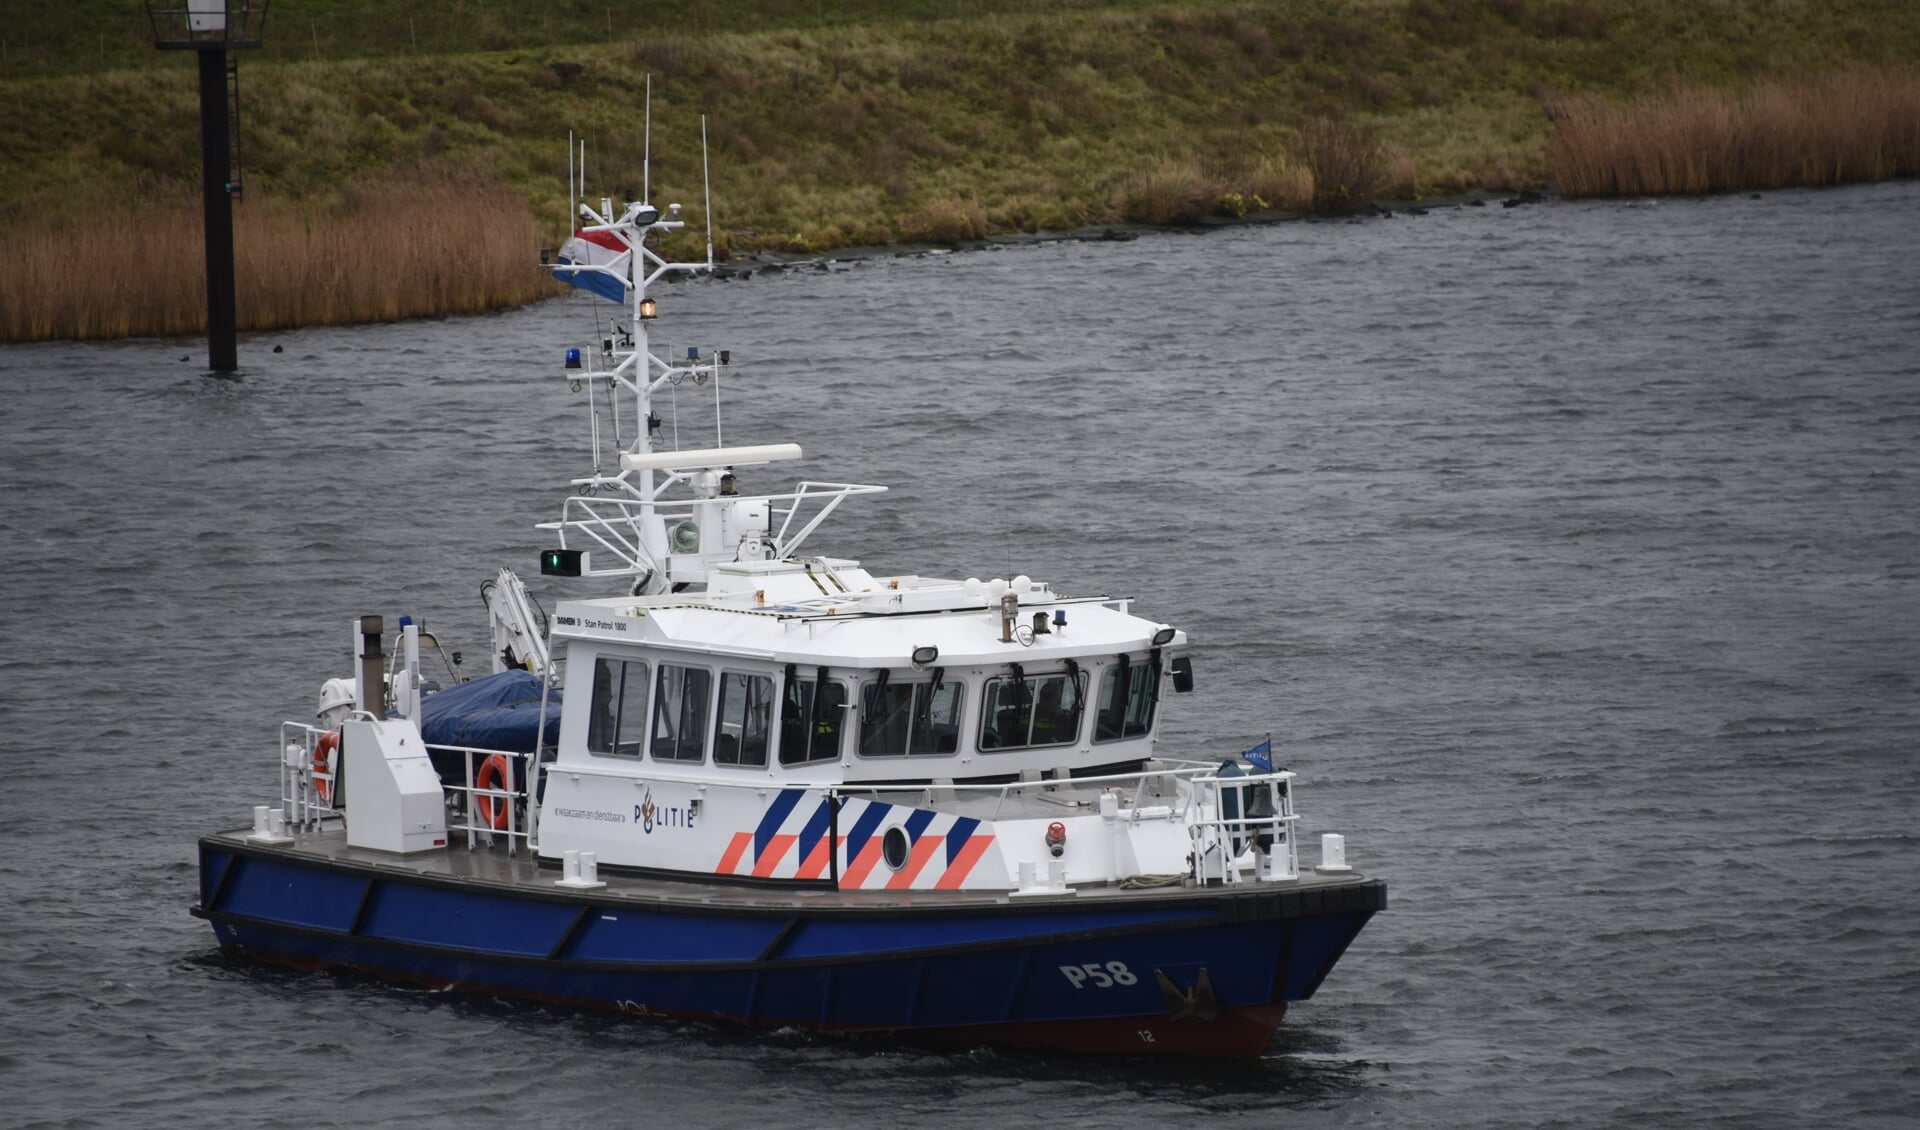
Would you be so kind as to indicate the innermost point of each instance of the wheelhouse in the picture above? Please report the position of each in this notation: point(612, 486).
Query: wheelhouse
point(646, 703)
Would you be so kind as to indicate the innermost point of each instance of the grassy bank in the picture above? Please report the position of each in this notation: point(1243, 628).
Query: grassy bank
point(843, 122)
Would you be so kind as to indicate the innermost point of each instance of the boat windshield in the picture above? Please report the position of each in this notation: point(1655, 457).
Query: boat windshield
point(811, 713)
point(910, 719)
point(618, 720)
point(1128, 695)
point(1031, 710)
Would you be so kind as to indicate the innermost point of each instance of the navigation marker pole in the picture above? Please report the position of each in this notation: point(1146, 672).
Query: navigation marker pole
point(210, 27)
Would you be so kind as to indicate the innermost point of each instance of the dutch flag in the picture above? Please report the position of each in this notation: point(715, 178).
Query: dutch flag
point(597, 249)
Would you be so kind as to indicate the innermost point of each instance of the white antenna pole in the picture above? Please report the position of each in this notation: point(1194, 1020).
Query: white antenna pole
point(646, 157)
point(573, 214)
point(706, 175)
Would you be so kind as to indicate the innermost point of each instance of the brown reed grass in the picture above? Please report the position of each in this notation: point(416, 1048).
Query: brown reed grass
point(1860, 125)
point(1184, 192)
point(1169, 192)
point(1346, 163)
point(426, 246)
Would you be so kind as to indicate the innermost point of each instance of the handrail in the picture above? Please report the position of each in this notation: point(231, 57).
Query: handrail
point(809, 491)
point(1225, 848)
point(301, 785)
point(605, 532)
point(515, 790)
point(615, 524)
point(1223, 845)
point(1182, 772)
point(299, 782)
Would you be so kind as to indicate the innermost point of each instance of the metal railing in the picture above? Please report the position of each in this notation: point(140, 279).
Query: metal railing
point(617, 526)
point(191, 24)
point(486, 805)
point(1250, 828)
point(1132, 786)
point(306, 792)
point(1241, 826)
point(485, 812)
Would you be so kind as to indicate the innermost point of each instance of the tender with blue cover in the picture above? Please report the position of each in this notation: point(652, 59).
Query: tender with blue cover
point(496, 712)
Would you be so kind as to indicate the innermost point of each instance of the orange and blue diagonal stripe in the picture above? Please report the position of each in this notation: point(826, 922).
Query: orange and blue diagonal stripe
point(794, 840)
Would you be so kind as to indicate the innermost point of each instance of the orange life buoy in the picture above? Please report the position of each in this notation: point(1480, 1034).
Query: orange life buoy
point(325, 757)
point(494, 774)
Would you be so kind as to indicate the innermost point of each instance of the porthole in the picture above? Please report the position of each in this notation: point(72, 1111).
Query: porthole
point(893, 847)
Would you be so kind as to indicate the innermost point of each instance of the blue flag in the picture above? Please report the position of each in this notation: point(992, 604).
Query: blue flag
point(1261, 756)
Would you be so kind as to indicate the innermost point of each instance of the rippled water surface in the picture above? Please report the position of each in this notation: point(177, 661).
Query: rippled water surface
point(1571, 553)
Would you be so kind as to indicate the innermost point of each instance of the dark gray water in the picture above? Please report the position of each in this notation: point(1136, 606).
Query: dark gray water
point(1571, 553)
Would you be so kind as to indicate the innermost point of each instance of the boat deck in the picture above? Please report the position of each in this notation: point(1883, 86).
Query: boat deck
point(491, 867)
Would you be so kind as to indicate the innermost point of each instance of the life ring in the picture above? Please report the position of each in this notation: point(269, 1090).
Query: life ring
point(494, 774)
point(326, 755)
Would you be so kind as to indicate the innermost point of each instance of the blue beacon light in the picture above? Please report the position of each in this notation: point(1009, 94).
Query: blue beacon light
point(573, 358)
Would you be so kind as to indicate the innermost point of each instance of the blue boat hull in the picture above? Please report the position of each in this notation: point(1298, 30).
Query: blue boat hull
point(1206, 973)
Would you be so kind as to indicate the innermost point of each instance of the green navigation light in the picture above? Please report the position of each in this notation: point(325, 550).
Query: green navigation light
point(561, 562)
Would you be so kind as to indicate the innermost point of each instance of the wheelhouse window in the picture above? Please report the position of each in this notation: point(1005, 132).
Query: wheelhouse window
point(910, 719)
point(1128, 694)
point(680, 704)
point(812, 710)
point(1031, 710)
point(744, 727)
point(616, 725)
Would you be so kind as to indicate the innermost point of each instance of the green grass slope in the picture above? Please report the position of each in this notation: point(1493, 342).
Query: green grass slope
point(836, 122)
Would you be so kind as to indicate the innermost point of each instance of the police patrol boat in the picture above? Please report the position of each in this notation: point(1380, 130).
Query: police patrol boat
point(762, 784)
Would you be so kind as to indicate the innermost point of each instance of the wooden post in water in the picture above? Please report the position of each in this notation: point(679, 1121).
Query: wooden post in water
point(210, 27)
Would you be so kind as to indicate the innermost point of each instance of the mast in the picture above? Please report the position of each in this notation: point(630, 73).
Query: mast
point(627, 362)
point(632, 519)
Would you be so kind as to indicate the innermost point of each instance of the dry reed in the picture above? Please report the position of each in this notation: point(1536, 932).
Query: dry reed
point(1170, 192)
point(430, 246)
point(1346, 163)
point(1825, 130)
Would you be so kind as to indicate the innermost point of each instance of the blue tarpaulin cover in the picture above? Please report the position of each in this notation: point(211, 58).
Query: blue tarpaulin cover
point(496, 712)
